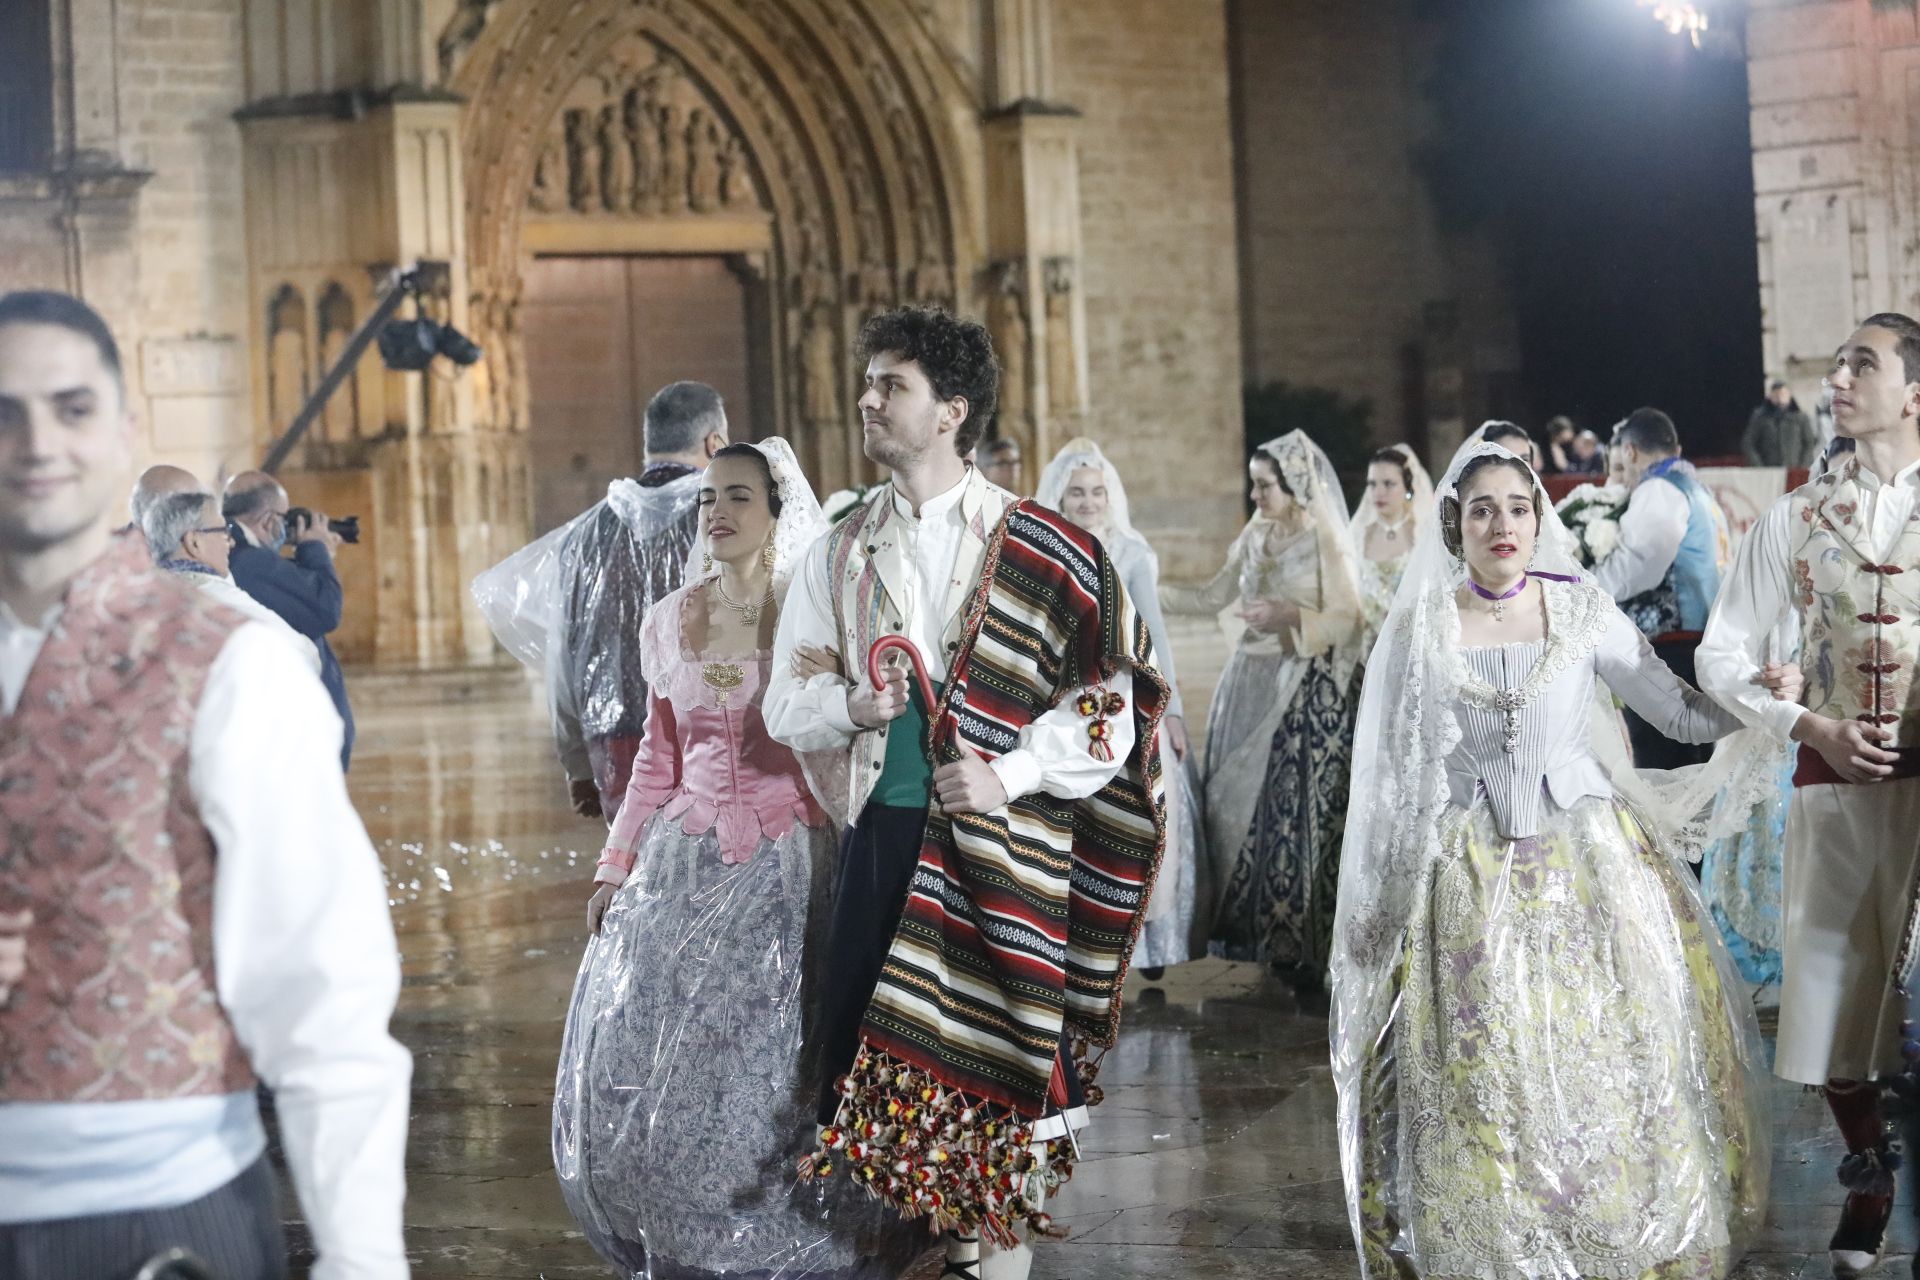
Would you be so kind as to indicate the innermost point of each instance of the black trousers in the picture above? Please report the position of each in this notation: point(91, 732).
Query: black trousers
point(878, 855)
point(234, 1230)
point(1651, 748)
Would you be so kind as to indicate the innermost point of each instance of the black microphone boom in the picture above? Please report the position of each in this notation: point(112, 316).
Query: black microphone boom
point(397, 288)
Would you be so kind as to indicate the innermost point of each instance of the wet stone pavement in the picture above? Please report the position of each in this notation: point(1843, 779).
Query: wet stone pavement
point(1213, 1157)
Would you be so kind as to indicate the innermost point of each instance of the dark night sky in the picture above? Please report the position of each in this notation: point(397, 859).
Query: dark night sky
point(1611, 162)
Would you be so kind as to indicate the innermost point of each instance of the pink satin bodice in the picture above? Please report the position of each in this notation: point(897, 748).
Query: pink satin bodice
point(706, 759)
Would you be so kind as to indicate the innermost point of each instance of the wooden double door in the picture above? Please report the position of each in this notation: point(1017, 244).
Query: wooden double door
point(603, 333)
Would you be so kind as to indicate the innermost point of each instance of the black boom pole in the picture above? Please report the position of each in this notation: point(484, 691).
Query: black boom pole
point(398, 287)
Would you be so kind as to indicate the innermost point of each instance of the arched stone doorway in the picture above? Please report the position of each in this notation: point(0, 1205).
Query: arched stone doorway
point(810, 142)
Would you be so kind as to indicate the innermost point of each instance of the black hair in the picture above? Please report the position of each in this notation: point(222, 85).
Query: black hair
point(1395, 455)
point(1906, 332)
point(998, 445)
point(766, 471)
point(1279, 474)
point(1649, 431)
point(46, 306)
point(1450, 505)
point(681, 415)
point(1495, 432)
point(956, 355)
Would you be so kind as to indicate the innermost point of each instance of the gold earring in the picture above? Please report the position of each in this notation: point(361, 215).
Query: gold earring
point(706, 562)
point(766, 553)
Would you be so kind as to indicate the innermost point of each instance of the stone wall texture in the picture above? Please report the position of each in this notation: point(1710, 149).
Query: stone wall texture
point(1163, 313)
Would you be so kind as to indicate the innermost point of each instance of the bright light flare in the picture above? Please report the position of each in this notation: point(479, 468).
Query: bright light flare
point(1678, 17)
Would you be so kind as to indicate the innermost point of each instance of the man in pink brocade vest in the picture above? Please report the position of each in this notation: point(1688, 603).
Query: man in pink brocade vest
point(188, 901)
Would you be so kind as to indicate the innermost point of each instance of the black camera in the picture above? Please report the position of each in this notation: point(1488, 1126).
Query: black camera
point(347, 529)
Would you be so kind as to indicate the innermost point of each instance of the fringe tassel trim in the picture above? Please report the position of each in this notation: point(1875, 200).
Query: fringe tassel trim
point(930, 1151)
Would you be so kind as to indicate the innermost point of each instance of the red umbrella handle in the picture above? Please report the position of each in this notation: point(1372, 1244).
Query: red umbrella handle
point(885, 645)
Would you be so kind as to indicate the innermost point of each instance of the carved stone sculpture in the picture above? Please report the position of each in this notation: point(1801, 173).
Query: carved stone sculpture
point(616, 162)
point(703, 142)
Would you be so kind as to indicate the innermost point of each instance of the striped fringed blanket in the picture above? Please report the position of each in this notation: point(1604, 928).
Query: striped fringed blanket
point(1018, 925)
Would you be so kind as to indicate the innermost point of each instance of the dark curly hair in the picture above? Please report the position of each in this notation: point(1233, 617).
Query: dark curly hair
point(1450, 505)
point(766, 471)
point(956, 355)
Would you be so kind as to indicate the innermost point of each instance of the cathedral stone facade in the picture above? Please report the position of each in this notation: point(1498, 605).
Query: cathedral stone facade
point(1835, 91)
point(232, 180)
point(1147, 201)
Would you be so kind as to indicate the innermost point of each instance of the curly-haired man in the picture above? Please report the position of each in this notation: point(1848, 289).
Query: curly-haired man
point(1040, 738)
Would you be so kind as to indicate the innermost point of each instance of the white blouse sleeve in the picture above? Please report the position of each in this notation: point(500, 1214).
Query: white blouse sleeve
point(304, 954)
point(1626, 661)
point(1054, 755)
point(1755, 601)
point(808, 715)
point(1651, 530)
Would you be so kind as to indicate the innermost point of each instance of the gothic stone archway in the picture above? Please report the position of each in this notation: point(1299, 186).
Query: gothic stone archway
point(813, 136)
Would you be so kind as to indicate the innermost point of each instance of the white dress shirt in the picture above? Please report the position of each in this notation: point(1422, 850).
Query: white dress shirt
point(1052, 755)
point(305, 965)
point(1758, 594)
point(1651, 531)
point(228, 592)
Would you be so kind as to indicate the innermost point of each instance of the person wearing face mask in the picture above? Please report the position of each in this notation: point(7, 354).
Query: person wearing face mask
point(1082, 484)
point(1840, 556)
point(1005, 817)
point(186, 536)
point(304, 588)
point(1539, 1068)
point(1274, 766)
point(684, 1098)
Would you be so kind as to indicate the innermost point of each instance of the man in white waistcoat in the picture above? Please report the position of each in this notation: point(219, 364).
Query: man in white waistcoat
point(1842, 554)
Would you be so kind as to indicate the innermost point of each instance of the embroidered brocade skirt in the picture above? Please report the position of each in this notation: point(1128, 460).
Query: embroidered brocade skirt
point(1573, 1086)
point(688, 1069)
point(1279, 752)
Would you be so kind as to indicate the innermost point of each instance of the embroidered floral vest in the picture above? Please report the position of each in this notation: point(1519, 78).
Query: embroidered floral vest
point(101, 840)
point(1861, 615)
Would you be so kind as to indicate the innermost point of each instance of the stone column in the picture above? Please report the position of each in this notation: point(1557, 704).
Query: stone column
point(1033, 297)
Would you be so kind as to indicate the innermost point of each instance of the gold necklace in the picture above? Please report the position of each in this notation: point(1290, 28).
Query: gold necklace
point(750, 611)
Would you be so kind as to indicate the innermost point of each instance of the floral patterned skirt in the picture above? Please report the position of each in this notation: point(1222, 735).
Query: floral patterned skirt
point(1572, 1087)
point(688, 1072)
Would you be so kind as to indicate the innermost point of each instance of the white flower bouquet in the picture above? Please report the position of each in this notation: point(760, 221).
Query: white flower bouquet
point(1592, 512)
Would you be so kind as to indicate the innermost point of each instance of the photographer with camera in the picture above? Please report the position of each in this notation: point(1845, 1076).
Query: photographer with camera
point(304, 589)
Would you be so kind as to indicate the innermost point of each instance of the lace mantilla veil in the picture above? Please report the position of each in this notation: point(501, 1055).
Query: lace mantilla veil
point(1419, 507)
point(1407, 728)
point(1078, 453)
point(800, 525)
point(1315, 486)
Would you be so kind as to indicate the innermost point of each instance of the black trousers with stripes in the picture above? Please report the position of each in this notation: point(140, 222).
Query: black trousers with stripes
point(234, 1230)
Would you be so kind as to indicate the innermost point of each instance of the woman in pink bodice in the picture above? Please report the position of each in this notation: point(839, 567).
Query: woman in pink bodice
point(686, 1077)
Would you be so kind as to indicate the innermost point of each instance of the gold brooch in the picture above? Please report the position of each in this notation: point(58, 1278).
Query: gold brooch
point(723, 678)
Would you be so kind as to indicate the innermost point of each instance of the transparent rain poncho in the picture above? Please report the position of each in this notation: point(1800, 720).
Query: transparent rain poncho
point(570, 605)
point(1546, 1066)
point(689, 1067)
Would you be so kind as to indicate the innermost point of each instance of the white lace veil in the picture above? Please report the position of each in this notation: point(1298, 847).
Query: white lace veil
point(1315, 486)
point(800, 524)
point(1419, 502)
point(1075, 454)
point(1407, 729)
